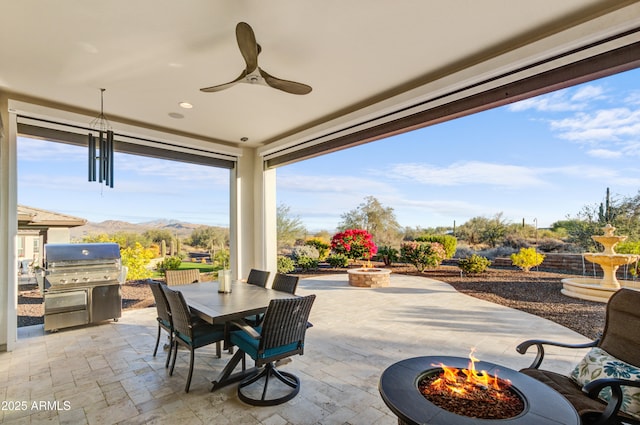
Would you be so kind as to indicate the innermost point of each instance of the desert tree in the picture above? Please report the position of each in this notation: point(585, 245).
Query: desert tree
point(289, 227)
point(376, 219)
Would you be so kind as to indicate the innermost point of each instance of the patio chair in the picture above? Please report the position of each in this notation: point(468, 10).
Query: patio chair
point(164, 316)
point(190, 332)
point(285, 283)
point(258, 277)
point(182, 277)
point(281, 282)
point(612, 364)
point(281, 336)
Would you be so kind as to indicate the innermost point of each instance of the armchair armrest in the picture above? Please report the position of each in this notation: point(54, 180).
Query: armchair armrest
point(149, 280)
point(593, 388)
point(244, 326)
point(524, 346)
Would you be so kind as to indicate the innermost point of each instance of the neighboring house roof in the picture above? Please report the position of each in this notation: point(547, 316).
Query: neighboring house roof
point(29, 218)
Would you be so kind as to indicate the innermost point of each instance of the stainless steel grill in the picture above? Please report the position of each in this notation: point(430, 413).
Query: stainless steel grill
point(80, 284)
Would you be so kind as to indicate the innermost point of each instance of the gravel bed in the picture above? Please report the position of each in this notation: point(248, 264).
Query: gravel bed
point(535, 292)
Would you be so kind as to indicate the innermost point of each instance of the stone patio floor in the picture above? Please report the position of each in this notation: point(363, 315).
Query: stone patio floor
point(106, 374)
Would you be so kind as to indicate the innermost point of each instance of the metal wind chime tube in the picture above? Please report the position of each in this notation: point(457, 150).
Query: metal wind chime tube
point(105, 148)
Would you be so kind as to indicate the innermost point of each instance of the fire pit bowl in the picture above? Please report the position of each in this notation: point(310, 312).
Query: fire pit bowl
point(399, 390)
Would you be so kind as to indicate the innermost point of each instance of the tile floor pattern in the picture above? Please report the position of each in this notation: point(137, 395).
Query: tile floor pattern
point(106, 374)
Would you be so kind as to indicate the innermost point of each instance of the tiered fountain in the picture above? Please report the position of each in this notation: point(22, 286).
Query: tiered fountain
point(594, 289)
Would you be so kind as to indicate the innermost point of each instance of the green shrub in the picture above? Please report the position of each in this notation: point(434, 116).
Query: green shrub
point(169, 263)
point(338, 260)
point(285, 264)
point(448, 242)
point(388, 255)
point(304, 251)
point(307, 263)
point(422, 254)
point(527, 258)
point(221, 258)
point(136, 259)
point(630, 248)
point(321, 246)
point(474, 264)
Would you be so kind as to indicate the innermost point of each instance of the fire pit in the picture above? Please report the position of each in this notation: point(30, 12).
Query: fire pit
point(369, 277)
point(531, 402)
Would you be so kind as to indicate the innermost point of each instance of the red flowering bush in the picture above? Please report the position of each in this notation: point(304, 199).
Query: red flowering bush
point(354, 243)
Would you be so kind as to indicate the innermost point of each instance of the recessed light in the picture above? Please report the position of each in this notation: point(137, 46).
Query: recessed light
point(176, 115)
point(185, 105)
point(244, 139)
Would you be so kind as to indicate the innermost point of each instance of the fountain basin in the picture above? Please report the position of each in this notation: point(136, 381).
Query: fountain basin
point(609, 242)
point(591, 289)
point(613, 260)
point(369, 277)
point(609, 261)
point(609, 264)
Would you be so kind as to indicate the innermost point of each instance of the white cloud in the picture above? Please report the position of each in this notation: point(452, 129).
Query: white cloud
point(570, 99)
point(587, 93)
point(632, 98)
point(604, 153)
point(602, 125)
point(150, 168)
point(439, 206)
point(471, 172)
point(332, 184)
point(509, 176)
point(42, 150)
point(631, 148)
point(556, 101)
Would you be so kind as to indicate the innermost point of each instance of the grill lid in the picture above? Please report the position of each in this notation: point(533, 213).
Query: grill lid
point(81, 252)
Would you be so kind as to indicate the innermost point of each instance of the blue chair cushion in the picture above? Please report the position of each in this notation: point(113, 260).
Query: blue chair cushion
point(203, 334)
point(164, 323)
point(249, 345)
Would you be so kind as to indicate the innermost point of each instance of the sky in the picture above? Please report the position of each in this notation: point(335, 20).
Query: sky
point(541, 160)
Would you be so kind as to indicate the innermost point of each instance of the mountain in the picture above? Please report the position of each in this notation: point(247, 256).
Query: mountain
point(179, 228)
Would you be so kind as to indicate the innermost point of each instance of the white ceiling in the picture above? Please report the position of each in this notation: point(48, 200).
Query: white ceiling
point(362, 57)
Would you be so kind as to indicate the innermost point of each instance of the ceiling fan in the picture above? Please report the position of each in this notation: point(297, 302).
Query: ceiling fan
point(253, 74)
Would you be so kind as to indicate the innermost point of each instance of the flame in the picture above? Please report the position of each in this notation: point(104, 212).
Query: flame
point(462, 381)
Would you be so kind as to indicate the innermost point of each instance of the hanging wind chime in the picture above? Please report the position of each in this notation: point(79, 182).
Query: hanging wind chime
point(101, 148)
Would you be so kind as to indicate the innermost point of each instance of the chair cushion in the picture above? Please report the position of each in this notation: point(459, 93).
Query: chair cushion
point(569, 389)
point(249, 345)
point(599, 364)
point(203, 334)
point(164, 323)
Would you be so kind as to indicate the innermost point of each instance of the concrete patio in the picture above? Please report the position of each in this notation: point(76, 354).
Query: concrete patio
point(106, 374)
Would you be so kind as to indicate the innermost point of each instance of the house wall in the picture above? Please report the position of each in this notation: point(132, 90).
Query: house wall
point(58, 235)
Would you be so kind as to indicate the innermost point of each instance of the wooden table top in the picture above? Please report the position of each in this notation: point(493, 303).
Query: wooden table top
point(243, 300)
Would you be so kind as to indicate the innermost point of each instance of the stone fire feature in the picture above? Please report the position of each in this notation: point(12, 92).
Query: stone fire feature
point(369, 277)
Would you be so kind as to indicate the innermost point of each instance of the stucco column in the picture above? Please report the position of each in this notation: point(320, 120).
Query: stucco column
point(252, 216)
point(8, 226)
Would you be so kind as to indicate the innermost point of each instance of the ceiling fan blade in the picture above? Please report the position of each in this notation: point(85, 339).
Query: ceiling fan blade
point(248, 45)
point(285, 85)
point(219, 87)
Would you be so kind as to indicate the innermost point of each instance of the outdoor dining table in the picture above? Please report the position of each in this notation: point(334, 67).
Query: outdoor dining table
point(215, 307)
